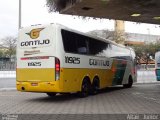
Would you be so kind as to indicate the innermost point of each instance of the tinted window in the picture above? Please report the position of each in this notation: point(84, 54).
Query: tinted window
point(74, 43)
point(97, 47)
point(69, 41)
point(80, 44)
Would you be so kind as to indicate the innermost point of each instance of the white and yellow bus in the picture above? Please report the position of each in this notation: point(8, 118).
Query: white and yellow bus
point(54, 59)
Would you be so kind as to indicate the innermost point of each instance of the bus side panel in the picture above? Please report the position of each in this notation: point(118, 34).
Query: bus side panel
point(77, 67)
point(73, 77)
point(127, 72)
point(118, 69)
point(122, 69)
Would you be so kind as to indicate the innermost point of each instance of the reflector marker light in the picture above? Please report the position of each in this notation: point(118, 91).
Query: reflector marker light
point(35, 58)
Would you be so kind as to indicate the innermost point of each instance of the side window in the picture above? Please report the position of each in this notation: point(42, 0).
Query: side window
point(97, 48)
point(69, 41)
point(82, 46)
point(74, 43)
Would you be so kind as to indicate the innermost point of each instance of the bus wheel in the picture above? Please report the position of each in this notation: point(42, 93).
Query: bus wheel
point(130, 83)
point(51, 94)
point(84, 89)
point(95, 86)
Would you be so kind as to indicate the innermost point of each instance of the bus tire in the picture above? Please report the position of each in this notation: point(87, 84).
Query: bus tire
point(51, 94)
point(95, 86)
point(85, 88)
point(130, 83)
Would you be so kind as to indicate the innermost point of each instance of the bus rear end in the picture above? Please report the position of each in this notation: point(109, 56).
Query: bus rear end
point(38, 68)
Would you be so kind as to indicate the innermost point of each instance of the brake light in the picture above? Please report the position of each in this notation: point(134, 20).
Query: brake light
point(24, 58)
point(35, 58)
point(57, 69)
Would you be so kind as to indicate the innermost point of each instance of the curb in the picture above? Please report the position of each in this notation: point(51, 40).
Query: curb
point(7, 89)
point(7, 77)
point(145, 83)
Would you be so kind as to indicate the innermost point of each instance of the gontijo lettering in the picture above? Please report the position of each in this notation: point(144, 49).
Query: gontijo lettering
point(35, 42)
point(96, 62)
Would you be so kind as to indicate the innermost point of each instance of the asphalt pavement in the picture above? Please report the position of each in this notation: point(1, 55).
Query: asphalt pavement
point(141, 102)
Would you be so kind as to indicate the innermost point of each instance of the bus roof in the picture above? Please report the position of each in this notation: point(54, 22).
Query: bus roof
point(88, 35)
point(82, 33)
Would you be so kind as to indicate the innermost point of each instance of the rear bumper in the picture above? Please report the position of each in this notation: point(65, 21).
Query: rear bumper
point(38, 86)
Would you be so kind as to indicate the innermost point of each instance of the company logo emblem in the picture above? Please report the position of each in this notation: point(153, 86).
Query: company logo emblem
point(34, 34)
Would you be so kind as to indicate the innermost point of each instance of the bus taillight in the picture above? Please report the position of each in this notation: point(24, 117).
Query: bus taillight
point(57, 69)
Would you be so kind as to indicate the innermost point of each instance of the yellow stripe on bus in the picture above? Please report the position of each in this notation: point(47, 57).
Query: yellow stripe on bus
point(70, 80)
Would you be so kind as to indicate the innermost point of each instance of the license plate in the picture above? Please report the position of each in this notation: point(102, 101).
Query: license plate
point(34, 84)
